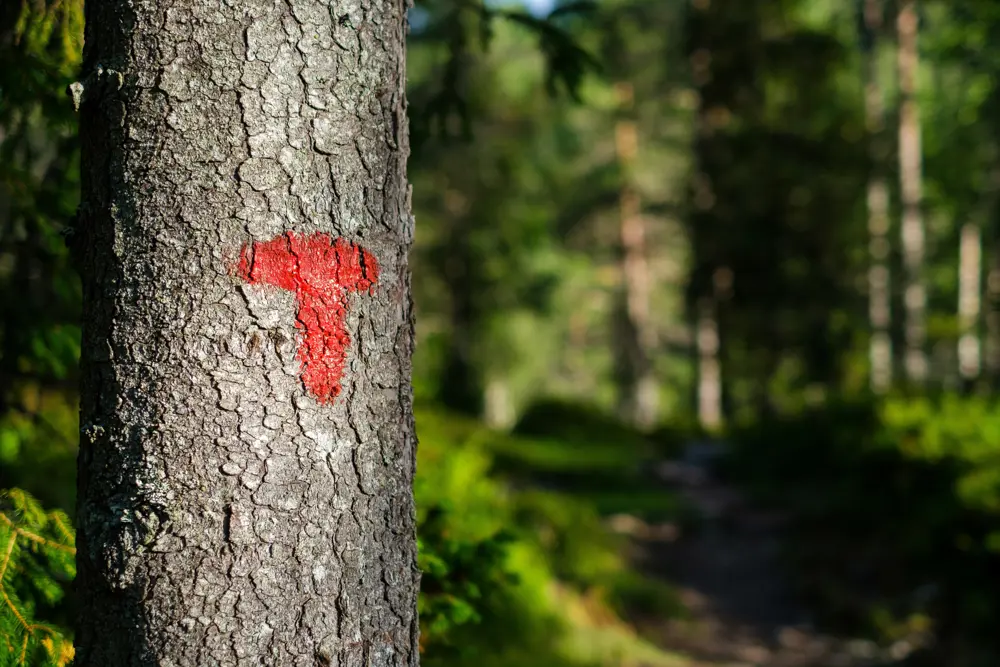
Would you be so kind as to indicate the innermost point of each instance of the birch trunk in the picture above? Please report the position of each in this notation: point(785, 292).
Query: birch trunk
point(969, 302)
point(247, 441)
point(911, 194)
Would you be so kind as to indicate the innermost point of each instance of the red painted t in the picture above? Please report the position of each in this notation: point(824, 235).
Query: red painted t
point(322, 273)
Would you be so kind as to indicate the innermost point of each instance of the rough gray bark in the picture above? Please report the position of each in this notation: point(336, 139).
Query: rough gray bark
point(227, 517)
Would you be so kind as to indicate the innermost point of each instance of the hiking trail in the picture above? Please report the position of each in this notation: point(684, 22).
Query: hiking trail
point(731, 581)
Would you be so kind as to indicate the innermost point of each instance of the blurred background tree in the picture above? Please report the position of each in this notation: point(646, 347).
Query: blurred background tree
point(638, 223)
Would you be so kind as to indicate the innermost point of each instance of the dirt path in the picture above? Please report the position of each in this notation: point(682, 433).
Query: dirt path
point(732, 583)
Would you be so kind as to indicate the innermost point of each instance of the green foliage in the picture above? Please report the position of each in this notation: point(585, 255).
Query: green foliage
point(953, 429)
point(591, 455)
point(465, 624)
point(37, 561)
point(484, 253)
point(582, 424)
point(455, 576)
point(461, 31)
point(505, 562)
point(38, 448)
point(577, 545)
point(51, 28)
point(639, 595)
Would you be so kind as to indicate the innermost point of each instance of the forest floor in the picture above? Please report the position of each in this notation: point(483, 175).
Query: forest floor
point(739, 609)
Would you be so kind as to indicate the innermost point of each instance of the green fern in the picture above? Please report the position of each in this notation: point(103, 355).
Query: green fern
point(37, 560)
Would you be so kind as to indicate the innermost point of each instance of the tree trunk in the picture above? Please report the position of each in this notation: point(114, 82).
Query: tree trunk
point(709, 367)
point(247, 440)
point(969, 302)
point(879, 287)
point(639, 392)
point(911, 194)
point(499, 411)
point(704, 298)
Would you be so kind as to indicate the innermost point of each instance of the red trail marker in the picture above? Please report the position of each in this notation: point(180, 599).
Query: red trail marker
point(322, 273)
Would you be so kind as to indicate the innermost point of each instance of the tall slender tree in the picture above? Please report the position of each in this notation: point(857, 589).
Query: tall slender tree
point(969, 301)
point(879, 287)
point(702, 299)
point(911, 194)
point(247, 442)
point(638, 391)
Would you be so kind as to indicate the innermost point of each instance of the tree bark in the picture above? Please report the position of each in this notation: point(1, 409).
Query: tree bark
point(247, 440)
point(911, 195)
point(879, 284)
point(639, 394)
